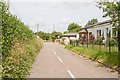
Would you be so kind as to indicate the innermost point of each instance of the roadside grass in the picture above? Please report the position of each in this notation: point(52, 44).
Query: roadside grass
point(101, 47)
point(110, 59)
point(23, 55)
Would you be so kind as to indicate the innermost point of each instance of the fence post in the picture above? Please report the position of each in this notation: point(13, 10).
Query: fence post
point(109, 42)
point(118, 35)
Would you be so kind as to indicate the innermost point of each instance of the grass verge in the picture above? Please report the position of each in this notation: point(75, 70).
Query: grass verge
point(109, 59)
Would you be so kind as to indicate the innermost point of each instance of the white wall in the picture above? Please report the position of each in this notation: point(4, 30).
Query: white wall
point(102, 28)
point(67, 40)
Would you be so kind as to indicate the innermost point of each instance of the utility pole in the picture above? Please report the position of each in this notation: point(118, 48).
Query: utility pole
point(37, 28)
point(53, 28)
point(8, 3)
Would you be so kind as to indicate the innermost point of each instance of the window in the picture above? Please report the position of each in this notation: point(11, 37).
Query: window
point(98, 33)
point(107, 31)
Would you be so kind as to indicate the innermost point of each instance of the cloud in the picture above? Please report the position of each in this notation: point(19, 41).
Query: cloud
point(77, 5)
point(65, 21)
point(50, 0)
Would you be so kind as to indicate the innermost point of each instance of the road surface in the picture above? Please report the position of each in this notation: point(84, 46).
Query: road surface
point(54, 61)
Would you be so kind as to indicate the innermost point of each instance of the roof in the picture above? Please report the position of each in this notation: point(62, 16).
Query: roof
point(70, 34)
point(82, 30)
point(99, 23)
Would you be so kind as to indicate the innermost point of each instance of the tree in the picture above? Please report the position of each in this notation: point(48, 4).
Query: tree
point(55, 34)
point(112, 10)
point(43, 35)
point(74, 27)
point(91, 22)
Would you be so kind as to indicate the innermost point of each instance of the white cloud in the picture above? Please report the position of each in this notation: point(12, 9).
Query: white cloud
point(66, 21)
point(50, 0)
point(77, 5)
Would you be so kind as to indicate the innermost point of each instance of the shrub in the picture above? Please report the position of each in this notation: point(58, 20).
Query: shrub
point(19, 46)
point(112, 41)
point(98, 41)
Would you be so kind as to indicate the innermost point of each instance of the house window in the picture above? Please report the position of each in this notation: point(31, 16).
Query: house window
point(107, 31)
point(98, 33)
point(114, 33)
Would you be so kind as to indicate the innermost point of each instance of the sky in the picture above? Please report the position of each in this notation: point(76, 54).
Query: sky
point(55, 13)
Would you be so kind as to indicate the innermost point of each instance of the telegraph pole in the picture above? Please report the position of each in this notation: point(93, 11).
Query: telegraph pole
point(37, 29)
point(53, 28)
point(8, 3)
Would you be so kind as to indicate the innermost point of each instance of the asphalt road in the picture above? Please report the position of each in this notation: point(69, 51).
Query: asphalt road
point(54, 61)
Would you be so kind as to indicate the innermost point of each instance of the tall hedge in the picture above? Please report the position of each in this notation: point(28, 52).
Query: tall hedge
point(18, 45)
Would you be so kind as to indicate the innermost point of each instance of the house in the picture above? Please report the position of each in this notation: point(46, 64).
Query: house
point(70, 37)
point(99, 30)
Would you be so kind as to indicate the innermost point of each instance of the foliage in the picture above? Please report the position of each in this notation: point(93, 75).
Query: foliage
point(56, 34)
point(111, 9)
point(73, 42)
point(19, 45)
point(98, 41)
point(74, 27)
point(91, 22)
point(43, 35)
point(48, 36)
point(112, 42)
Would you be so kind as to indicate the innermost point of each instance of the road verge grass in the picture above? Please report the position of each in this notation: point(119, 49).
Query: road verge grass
point(108, 59)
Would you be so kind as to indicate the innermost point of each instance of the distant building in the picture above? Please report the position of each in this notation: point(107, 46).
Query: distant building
point(90, 32)
point(70, 37)
point(99, 30)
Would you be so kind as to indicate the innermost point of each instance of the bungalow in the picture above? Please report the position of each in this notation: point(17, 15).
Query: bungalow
point(95, 31)
point(70, 37)
point(99, 30)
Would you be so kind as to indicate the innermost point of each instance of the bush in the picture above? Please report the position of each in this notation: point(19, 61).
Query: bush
point(112, 41)
point(73, 42)
point(19, 46)
point(98, 41)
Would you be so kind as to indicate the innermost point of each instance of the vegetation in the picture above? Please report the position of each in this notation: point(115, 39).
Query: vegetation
point(74, 27)
point(56, 34)
point(98, 41)
point(95, 55)
point(49, 36)
point(43, 35)
point(112, 10)
point(91, 22)
point(112, 42)
point(19, 45)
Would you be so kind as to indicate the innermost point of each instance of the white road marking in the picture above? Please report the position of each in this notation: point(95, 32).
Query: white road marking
point(72, 76)
point(55, 52)
point(60, 59)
